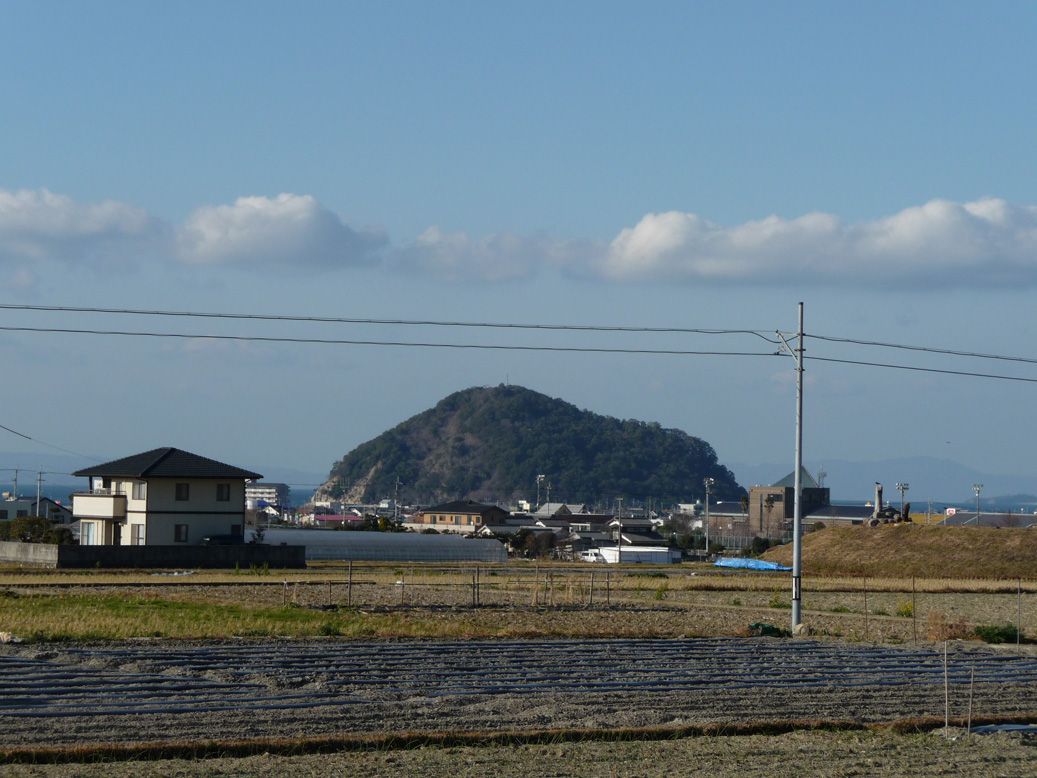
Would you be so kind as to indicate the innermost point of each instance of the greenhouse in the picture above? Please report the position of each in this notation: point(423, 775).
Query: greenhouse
point(324, 544)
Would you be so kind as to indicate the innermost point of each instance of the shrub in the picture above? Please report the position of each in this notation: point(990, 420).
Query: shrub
point(60, 536)
point(1006, 633)
point(905, 610)
point(329, 629)
point(939, 628)
point(777, 602)
point(30, 529)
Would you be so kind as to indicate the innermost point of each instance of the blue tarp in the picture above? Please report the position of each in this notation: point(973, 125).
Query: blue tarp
point(750, 564)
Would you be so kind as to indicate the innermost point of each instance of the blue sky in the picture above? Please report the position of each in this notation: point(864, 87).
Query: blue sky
point(663, 165)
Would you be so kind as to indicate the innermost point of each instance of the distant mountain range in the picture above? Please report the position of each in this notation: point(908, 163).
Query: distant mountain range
point(943, 481)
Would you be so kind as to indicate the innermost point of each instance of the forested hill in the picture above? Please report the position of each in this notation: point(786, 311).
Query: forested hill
point(490, 443)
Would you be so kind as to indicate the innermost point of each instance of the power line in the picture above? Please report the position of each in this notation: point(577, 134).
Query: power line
point(48, 445)
point(926, 349)
point(400, 322)
point(405, 344)
point(923, 369)
point(477, 325)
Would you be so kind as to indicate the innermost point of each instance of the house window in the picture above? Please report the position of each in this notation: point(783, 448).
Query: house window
point(180, 532)
point(140, 490)
point(3, 514)
point(182, 492)
point(138, 535)
point(19, 514)
point(86, 534)
point(222, 492)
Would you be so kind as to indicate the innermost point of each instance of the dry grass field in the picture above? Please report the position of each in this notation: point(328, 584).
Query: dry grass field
point(523, 600)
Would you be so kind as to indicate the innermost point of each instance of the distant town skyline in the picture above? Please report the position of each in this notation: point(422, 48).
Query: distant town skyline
point(674, 167)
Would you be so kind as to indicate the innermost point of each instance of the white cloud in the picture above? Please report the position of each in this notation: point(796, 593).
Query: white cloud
point(983, 243)
point(987, 242)
point(941, 243)
point(40, 225)
point(288, 230)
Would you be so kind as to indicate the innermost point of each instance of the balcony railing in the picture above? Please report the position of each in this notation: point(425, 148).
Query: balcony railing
point(99, 504)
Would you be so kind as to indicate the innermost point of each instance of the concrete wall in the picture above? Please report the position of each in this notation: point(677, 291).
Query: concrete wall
point(30, 554)
point(157, 557)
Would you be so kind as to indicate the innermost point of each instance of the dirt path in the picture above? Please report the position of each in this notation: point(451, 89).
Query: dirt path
point(793, 755)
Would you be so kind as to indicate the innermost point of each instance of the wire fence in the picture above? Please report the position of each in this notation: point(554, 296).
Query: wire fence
point(895, 610)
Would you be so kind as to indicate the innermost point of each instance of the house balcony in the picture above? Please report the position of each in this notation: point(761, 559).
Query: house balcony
point(99, 504)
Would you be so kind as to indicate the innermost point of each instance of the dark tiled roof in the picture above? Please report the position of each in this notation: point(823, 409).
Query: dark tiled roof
point(167, 463)
point(462, 506)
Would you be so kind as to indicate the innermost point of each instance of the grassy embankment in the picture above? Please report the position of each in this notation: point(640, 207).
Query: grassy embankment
point(913, 551)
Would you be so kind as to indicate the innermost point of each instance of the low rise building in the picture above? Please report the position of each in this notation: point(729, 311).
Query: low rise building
point(165, 496)
point(13, 507)
point(461, 516)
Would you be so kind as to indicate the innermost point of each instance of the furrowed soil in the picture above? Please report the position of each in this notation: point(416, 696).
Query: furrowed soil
point(644, 608)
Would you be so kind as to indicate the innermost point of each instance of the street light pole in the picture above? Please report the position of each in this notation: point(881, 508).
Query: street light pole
point(902, 488)
point(977, 488)
point(708, 482)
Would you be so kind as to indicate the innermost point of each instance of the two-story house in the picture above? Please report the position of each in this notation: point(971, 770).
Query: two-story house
point(462, 516)
point(161, 497)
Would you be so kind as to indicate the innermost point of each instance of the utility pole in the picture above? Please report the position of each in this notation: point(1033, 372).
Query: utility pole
point(39, 488)
point(797, 520)
point(619, 535)
point(708, 482)
point(395, 503)
point(540, 479)
point(977, 488)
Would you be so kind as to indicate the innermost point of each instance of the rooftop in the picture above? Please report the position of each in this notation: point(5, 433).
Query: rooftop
point(166, 463)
